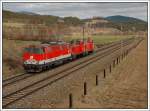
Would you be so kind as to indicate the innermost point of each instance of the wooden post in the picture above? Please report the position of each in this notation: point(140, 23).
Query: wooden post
point(85, 90)
point(110, 68)
point(117, 60)
point(70, 100)
point(96, 80)
point(104, 73)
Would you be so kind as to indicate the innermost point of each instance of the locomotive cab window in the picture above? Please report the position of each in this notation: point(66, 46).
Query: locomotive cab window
point(34, 50)
point(49, 49)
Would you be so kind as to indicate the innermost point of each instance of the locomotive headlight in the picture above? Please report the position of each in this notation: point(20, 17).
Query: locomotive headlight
point(34, 61)
point(25, 62)
point(31, 57)
point(31, 61)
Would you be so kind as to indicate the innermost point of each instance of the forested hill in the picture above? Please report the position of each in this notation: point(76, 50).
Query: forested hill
point(128, 22)
point(122, 23)
point(120, 19)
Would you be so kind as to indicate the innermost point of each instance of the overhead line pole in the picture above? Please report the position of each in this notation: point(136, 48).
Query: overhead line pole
point(121, 42)
point(83, 32)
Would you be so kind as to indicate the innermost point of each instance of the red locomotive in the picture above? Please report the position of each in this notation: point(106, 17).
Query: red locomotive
point(49, 54)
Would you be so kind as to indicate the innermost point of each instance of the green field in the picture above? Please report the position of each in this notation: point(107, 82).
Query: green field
point(107, 39)
point(101, 39)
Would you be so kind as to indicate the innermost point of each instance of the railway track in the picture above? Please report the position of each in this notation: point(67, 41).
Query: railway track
point(14, 79)
point(23, 76)
point(25, 91)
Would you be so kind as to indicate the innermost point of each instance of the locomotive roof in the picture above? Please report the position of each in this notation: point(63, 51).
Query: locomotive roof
point(53, 42)
point(46, 45)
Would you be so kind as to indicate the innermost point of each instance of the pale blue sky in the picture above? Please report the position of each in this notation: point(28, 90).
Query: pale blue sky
point(82, 10)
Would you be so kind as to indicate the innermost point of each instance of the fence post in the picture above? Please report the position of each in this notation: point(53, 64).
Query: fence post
point(70, 100)
point(110, 68)
point(85, 89)
point(117, 60)
point(96, 80)
point(104, 73)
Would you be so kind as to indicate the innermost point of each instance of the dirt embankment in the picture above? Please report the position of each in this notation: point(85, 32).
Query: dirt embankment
point(127, 87)
point(12, 56)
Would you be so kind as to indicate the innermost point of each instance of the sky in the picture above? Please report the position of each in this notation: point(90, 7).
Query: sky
point(82, 10)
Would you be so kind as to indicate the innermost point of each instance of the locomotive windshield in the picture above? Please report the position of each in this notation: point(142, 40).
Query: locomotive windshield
point(34, 50)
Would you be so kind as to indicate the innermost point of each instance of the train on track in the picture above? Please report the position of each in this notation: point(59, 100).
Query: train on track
point(37, 58)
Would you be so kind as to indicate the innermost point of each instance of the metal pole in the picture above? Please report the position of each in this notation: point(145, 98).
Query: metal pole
point(83, 32)
point(121, 47)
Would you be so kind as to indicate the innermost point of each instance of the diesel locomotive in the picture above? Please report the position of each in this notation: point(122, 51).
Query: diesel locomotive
point(37, 58)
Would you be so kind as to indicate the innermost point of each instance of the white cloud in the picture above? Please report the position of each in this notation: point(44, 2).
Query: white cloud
point(82, 10)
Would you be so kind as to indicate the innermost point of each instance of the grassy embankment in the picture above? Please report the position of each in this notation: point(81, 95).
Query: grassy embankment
point(12, 51)
point(101, 39)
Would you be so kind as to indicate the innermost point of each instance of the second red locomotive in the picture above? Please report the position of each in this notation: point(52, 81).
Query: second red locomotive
point(49, 54)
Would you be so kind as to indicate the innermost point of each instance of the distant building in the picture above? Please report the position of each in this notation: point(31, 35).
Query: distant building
point(95, 20)
point(60, 21)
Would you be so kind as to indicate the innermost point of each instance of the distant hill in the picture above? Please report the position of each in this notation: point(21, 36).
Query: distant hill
point(119, 18)
point(118, 22)
point(27, 13)
point(128, 23)
point(29, 17)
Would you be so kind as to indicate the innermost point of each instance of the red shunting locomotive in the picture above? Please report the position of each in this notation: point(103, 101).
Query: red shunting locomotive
point(37, 58)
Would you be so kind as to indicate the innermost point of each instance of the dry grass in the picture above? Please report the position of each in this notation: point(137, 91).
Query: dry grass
point(125, 87)
point(12, 56)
